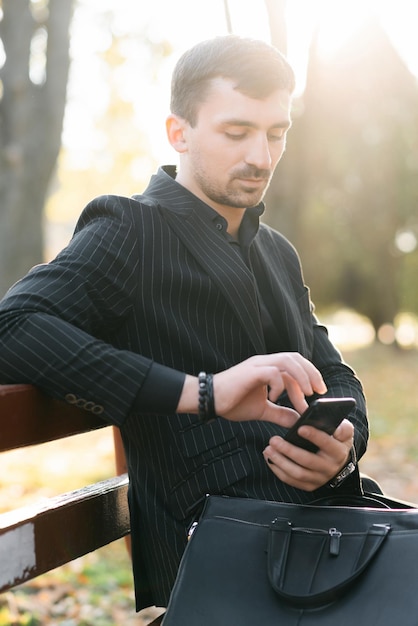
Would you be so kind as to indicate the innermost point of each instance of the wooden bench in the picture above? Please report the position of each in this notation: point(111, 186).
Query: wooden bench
point(37, 538)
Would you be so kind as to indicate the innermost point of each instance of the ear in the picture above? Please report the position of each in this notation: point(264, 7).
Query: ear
point(176, 132)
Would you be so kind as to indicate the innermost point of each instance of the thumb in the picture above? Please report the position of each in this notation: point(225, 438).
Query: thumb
point(280, 415)
point(344, 432)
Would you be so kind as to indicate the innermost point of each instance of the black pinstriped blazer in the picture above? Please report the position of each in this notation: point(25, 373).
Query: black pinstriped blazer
point(145, 280)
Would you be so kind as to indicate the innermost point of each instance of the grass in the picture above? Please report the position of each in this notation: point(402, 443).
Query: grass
point(389, 377)
point(96, 590)
point(93, 591)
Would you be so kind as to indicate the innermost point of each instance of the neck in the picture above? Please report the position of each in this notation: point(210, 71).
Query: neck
point(232, 215)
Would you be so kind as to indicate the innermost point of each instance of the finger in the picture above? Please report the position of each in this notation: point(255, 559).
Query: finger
point(295, 393)
point(279, 448)
point(297, 385)
point(280, 415)
point(345, 431)
point(298, 467)
point(290, 472)
point(343, 434)
point(302, 370)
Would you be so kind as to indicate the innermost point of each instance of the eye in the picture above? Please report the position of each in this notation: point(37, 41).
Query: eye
point(235, 136)
point(277, 136)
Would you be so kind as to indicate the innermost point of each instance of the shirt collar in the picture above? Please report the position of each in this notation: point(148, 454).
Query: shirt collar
point(249, 225)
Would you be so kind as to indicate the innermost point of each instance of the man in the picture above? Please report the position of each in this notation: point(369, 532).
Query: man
point(157, 293)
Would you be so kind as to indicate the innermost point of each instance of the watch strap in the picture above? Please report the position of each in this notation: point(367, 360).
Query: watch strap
point(346, 471)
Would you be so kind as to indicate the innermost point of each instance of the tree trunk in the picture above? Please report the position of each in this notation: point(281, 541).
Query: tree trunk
point(31, 118)
point(276, 11)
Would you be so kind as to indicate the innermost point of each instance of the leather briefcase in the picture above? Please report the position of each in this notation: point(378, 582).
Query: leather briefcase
point(252, 562)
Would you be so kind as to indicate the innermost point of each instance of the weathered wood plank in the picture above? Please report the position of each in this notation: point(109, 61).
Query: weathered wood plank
point(36, 539)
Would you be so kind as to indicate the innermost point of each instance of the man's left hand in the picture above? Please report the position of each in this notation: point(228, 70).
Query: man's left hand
point(307, 470)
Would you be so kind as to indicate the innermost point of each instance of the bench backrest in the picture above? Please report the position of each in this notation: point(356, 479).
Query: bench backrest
point(40, 537)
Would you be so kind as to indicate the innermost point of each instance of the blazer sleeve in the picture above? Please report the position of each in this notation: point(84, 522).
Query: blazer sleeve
point(54, 323)
point(341, 380)
point(311, 338)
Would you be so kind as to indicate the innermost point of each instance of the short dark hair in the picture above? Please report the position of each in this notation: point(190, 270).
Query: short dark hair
point(256, 67)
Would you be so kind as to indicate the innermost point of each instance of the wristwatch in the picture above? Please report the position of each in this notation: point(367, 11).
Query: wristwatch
point(348, 469)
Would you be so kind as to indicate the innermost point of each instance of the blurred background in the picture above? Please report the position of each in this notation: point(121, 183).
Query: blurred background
point(84, 91)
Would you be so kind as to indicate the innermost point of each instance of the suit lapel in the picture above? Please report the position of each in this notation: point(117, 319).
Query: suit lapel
point(226, 269)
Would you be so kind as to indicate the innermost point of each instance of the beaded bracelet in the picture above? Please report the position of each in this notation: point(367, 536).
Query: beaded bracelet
point(206, 398)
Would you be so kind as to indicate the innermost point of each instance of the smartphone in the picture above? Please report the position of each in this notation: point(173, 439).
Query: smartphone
point(325, 414)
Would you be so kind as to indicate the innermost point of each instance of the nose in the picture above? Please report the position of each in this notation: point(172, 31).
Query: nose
point(259, 154)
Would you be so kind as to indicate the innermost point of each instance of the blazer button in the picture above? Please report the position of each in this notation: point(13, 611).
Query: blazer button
point(70, 398)
point(97, 409)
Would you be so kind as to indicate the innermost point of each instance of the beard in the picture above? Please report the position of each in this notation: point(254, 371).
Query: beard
point(238, 192)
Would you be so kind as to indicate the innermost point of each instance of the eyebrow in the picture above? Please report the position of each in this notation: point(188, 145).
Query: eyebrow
point(240, 122)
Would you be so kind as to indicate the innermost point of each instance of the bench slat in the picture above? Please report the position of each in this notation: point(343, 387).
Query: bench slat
point(36, 539)
point(29, 417)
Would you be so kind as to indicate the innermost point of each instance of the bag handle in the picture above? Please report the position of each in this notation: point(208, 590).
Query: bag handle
point(373, 501)
point(310, 567)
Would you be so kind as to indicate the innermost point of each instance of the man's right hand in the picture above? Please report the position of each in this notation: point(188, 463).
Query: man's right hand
point(248, 391)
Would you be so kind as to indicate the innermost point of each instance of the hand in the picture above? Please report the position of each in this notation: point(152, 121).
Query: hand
point(307, 470)
point(248, 391)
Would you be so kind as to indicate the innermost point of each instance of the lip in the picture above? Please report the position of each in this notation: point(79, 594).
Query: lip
point(254, 181)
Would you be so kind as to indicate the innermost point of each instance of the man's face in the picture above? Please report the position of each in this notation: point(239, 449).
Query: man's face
point(230, 154)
